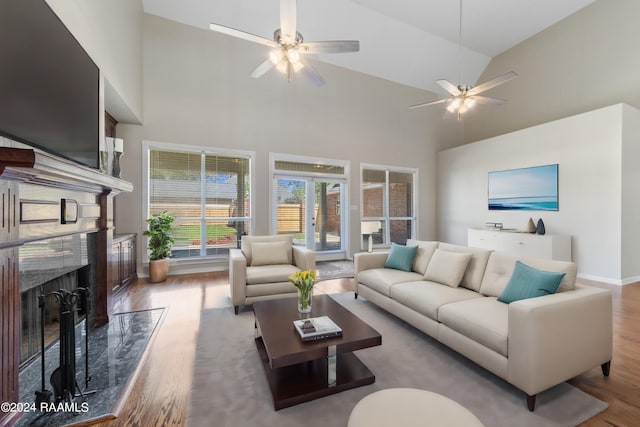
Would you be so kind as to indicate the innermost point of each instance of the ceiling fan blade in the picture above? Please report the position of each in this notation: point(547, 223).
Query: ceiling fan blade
point(262, 68)
point(492, 83)
point(489, 101)
point(288, 20)
point(242, 35)
point(440, 101)
point(334, 46)
point(449, 87)
point(310, 73)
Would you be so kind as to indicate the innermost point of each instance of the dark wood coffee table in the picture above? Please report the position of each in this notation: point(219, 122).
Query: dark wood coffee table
point(299, 371)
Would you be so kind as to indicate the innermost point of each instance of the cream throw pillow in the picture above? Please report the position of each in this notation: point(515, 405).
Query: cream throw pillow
point(269, 253)
point(447, 267)
point(423, 255)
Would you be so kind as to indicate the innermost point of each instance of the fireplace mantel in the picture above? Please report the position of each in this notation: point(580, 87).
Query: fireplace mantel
point(41, 168)
point(43, 196)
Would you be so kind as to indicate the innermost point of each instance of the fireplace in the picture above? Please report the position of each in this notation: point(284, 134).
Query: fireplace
point(47, 266)
point(56, 232)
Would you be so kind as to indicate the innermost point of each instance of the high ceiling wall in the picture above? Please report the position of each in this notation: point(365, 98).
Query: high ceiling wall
point(587, 61)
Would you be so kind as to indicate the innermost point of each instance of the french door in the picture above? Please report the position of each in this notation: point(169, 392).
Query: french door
point(310, 209)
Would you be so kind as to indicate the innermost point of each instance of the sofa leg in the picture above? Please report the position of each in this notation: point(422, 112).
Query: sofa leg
point(606, 367)
point(235, 308)
point(531, 402)
point(355, 295)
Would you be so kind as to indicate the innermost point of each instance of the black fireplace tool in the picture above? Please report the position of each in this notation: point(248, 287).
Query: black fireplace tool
point(63, 379)
point(43, 395)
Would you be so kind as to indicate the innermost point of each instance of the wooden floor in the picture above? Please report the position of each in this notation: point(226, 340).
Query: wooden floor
point(160, 395)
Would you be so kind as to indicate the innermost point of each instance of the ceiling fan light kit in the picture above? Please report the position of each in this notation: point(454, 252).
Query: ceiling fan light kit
point(460, 104)
point(288, 47)
point(463, 98)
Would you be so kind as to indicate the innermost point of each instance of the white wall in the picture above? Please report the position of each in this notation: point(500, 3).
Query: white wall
point(111, 33)
point(197, 91)
point(589, 149)
point(630, 194)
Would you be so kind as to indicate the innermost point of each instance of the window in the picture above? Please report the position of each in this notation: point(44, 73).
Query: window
point(388, 205)
point(206, 191)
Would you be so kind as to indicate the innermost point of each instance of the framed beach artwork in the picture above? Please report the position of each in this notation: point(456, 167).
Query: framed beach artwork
point(529, 189)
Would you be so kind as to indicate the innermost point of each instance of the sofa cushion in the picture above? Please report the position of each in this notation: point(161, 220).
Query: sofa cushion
point(447, 267)
point(269, 253)
point(484, 320)
point(269, 289)
point(427, 297)
point(500, 268)
point(381, 279)
point(270, 273)
point(423, 254)
point(401, 257)
point(247, 241)
point(527, 282)
point(477, 264)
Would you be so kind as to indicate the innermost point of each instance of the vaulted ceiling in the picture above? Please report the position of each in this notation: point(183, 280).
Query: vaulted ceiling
point(412, 42)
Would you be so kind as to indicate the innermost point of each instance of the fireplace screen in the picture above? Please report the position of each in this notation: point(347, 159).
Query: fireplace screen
point(31, 315)
point(47, 266)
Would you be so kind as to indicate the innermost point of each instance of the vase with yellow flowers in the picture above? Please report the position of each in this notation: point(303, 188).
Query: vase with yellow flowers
point(304, 280)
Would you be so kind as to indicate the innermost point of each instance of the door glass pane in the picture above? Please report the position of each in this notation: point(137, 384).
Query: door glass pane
point(328, 211)
point(316, 168)
point(290, 209)
point(400, 194)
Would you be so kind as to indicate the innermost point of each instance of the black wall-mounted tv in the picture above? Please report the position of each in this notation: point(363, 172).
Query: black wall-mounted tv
point(531, 189)
point(49, 86)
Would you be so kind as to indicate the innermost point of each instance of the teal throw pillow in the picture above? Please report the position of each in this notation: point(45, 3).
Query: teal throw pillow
point(528, 282)
point(401, 257)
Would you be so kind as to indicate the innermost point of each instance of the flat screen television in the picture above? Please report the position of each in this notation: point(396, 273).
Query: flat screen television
point(530, 189)
point(49, 86)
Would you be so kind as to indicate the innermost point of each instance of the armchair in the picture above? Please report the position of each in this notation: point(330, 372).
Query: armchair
point(260, 269)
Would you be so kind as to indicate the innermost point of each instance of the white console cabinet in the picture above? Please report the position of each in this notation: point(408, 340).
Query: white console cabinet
point(522, 244)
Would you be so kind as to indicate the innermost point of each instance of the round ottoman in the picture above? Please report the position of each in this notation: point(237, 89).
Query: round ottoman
point(409, 407)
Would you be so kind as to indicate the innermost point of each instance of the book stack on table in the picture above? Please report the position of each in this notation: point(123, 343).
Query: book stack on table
point(317, 328)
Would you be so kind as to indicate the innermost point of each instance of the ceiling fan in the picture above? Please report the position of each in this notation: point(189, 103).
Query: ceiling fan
point(465, 97)
point(288, 48)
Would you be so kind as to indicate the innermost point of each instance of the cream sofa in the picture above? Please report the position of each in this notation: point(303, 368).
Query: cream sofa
point(260, 269)
point(533, 344)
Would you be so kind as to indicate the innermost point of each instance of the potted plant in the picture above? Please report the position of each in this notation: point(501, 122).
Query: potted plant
point(160, 244)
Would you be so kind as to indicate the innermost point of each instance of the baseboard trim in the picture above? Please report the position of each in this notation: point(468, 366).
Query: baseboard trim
point(610, 281)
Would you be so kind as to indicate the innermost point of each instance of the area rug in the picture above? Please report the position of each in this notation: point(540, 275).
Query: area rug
point(334, 269)
point(230, 389)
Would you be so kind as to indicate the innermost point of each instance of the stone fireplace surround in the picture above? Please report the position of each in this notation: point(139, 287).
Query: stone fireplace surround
point(43, 196)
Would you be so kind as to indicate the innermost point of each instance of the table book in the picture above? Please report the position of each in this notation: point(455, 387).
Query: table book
point(317, 328)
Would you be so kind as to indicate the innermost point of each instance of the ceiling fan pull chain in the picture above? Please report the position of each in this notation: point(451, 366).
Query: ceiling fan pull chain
point(460, 46)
